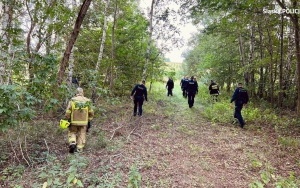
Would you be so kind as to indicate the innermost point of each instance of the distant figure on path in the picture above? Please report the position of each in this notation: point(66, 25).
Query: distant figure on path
point(241, 98)
point(79, 113)
point(139, 94)
point(183, 83)
point(214, 91)
point(192, 90)
point(170, 86)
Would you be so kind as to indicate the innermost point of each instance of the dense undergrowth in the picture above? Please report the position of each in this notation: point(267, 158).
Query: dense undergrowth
point(34, 154)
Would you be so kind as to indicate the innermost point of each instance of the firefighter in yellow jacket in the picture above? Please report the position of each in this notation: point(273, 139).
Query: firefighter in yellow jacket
point(79, 112)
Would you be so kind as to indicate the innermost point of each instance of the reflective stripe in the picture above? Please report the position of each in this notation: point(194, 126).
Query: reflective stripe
point(79, 122)
point(72, 139)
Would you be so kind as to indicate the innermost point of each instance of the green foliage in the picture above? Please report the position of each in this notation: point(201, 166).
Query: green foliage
point(135, 178)
point(289, 142)
point(16, 105)
point(56, 176)
point(100, 141)
point(219, 112)
point(186, 130)
point(292, 182)
point(268, 178)
point(12, 173)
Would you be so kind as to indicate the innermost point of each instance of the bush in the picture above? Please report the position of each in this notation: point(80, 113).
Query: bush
point(15, 105)
point(219, 112)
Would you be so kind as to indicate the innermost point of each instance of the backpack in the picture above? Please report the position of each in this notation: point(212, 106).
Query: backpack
point(79, 112)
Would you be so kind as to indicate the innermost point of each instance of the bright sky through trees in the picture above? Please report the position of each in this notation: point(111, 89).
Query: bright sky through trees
point(186, 30)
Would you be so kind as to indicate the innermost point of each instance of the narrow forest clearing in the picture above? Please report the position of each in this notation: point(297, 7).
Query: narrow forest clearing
point(171, 145)
point(174, 146)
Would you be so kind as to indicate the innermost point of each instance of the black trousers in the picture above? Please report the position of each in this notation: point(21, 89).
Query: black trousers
point(238, 114)
point(138, 105)
point(170, 92)
point(191, 97)
point(184, 92)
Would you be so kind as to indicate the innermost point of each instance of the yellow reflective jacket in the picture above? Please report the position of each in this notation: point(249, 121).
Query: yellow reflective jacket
point(79, 110)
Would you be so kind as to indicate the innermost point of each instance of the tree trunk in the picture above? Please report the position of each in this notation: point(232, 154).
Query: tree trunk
point(261, 86)
point(113, 44)
point(295, 19)
point(104, 30)
point(271, 76)
point(144, 76)
point(251, 54)
point(242, 58)
point(280, 94)
point(65, 60)
point(4, 20)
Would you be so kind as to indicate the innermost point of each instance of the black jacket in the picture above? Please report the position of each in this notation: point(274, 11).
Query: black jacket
point(192, 86)
point(139, 90)
point(240, 96)
point(170, 84)
point(213, 88)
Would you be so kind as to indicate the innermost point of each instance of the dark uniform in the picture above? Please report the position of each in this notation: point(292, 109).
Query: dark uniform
point(240, 97)
point(170, 86)
point(192, 90)
point(184, 82)
point(139, 94)
point(214, 90)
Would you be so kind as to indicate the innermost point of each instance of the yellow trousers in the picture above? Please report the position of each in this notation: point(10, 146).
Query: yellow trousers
point(77, 135)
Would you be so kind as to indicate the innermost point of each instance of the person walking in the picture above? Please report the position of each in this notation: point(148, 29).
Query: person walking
point(214, 91)
point(192, 90)
point(183, 83)
point(170, 86)
point(138, 95)
point(79, 113)
point(241, 98)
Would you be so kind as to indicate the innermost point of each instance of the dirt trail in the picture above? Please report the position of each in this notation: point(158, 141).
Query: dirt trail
point(173, 146)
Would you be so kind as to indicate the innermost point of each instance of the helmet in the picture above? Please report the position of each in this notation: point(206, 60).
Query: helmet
point(64, 124)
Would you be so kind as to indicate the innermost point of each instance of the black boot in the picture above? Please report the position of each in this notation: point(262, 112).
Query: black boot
point(72, 148)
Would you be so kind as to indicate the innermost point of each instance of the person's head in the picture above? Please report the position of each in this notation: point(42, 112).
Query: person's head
point(79, 91)
point(212, 81)
point(192, 77)
point(143, 82)
point(240, 84)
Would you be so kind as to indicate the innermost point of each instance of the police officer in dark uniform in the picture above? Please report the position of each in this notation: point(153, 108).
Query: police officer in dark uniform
point(170, 86)
point(214, 90)
point(139, 94)
point(192, 90)
point(241, 98)
point(183, 83)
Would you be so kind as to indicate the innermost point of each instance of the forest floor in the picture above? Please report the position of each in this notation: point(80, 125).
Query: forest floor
point(171, 146)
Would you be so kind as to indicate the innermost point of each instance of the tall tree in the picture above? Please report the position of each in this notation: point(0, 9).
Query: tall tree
point(295, 20)
point(65, 60)
point(103, 38)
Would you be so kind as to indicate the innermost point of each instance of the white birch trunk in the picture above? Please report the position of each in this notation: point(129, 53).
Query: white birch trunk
point(71, 68)
point(100, 56)
point(4, 19)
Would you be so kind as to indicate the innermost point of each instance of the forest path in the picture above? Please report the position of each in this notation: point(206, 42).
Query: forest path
point(172, 145)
